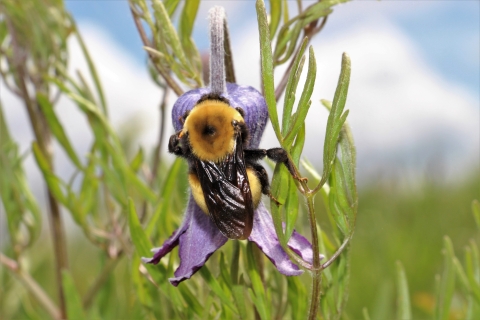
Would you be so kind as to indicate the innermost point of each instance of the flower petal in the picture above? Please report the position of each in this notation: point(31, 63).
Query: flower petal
point(263, 234)
point(301, 246)
point(245, 97)
point(199, 241)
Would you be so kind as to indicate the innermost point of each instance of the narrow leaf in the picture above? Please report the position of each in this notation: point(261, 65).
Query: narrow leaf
point(291, 87)
point(275, 14)
point(334, 118)
point(267, 66)
point(447, 282)
point(53, 182)
point(404, 309)
point(258, 295)
point(291, 209)
point(72, 298)
point(187, 19)
point(212, 282)
point(304, 103)
point(57, 129)
point(138, 235)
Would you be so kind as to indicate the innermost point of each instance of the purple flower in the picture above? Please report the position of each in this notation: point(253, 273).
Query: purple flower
point(198, 236)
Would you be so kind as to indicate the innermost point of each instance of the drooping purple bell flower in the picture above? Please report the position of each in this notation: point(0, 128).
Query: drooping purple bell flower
point(198, 237)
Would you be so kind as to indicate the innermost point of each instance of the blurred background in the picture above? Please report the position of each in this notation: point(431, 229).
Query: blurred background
point(414, 105)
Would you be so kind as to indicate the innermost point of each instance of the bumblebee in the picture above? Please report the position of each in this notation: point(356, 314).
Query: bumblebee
point(226, 181)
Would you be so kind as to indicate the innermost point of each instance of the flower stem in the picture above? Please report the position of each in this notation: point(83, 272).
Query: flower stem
point(218, 83)
point(317, 272)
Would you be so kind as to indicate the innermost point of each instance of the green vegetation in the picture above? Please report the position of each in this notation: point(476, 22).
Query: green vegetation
point(119, 206)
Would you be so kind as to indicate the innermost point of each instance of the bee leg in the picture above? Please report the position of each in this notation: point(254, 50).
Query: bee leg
point(253, 155)
point(280, 155)
point(241, 111)
point(262, 175)
point(275, 154)
point(184, 117)
point(174, 147)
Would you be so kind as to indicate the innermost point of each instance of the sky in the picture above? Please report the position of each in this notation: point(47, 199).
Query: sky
point(413, 98)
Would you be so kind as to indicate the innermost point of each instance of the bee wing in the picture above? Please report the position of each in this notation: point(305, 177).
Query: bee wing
point(227, 193)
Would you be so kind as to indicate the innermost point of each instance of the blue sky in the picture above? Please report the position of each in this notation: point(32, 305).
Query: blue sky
point(447, 33)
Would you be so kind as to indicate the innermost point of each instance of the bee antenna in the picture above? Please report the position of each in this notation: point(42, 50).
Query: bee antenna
point(218, 82)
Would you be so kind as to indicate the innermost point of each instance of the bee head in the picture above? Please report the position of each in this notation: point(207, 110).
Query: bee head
point(212, 127)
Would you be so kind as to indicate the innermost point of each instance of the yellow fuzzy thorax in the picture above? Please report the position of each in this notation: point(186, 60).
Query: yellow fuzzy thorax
point(210, 130)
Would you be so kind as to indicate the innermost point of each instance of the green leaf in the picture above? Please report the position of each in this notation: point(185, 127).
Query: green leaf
point(291, 87)
point(168, 190)
point(139, 282)
point(223, 295)
point(19, 204)
point(348, 160)
point(190, 298)
point(404, 310)
point(137, 161)
point(304, 103)
point(339, 206)
point(171, 6)
point(295, 290)
point(57, 128)
point(472, 272)
point(288, 45)
point(266, 63)
point(72, 298)
point(470, 287)
point(365, 314)
point(291, 209)
point(258, 294)
point(447, 283)
point(275, 14)
point(53, 182)
point(171, 40)
point(289, 33)
point(279, 189)
point(336, 117)
point(138, 235)
point(238, 292)
point(187, 19)
point(92, 69)
point(297, 148)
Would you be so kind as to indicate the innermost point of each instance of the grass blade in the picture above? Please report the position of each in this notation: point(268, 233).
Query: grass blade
point(404, 310)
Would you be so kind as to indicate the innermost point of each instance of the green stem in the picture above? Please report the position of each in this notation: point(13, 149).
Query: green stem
point(32, 286)
point(317, 271)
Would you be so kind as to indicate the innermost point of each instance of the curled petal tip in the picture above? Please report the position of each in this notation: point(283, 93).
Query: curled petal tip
point(146, 260)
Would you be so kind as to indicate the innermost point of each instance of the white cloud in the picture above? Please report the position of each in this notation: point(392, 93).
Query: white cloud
point(402, 113)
